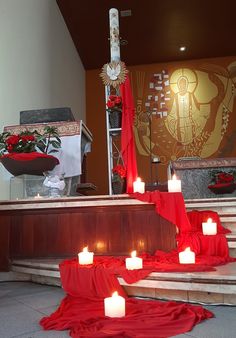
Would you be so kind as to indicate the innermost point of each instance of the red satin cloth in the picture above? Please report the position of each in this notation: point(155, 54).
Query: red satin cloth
point(213, 248)
point(82, 310)
point(196, 218)
point(210, 250)
point(168, 205)
point(28, 156)
point(100, 279)
point(127, 135)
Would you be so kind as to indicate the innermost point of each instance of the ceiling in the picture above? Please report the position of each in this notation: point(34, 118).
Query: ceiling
point(155, 30)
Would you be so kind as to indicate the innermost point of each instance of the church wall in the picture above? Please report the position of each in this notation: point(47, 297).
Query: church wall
point(188, 108)
point(39, 68)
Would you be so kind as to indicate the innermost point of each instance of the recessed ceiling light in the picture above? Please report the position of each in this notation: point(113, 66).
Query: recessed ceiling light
point(182, 48)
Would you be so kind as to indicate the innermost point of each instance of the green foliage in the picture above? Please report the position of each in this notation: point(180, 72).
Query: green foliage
point(28, 141)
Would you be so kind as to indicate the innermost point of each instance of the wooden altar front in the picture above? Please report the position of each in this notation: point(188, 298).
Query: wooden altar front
point(61, 228)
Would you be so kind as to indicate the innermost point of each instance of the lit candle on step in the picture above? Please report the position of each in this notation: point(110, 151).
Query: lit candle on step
point(209, 227)
point(114, 306)
point(85, 257)
point(174, 185)
point(133, 262)
point(187, 256)
point(139, 186)
point(37, 196)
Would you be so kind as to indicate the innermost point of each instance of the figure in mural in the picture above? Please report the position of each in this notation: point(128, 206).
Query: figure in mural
point(200, 119)
point(187, 117)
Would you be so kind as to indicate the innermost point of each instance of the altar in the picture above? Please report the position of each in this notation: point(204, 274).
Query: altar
point(195, 175)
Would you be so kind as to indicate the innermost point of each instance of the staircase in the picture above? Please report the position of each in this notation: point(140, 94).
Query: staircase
point(226, 209)
point(215, 287)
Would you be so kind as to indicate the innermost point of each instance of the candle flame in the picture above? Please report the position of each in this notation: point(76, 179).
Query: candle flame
point(115, 294)
point(85, 249)
point(209, 220)
point(133, 254)
point(138, 179)
point(174, 177)
point(187, 249)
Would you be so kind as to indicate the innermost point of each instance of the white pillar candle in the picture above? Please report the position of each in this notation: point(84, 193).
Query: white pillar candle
point(187, 257)
point(174, 185)
point(114, 306)
point(85, 257)
point(114, 34)
point(133, 262)
point(139, 186)
point(209, 227)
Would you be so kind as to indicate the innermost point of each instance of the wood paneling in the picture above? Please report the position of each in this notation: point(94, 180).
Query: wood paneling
point(109, 230)
point(4, 243)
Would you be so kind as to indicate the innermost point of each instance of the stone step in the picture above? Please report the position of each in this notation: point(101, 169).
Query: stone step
point(220, 205)
point(214, 287)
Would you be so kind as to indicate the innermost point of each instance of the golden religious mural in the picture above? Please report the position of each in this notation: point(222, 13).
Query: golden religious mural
point(185, 112)
point(187, 116)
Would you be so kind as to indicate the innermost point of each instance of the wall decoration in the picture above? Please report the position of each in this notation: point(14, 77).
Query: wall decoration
point(189, 108)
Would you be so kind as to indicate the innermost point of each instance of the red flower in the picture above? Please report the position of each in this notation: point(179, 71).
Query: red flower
point(224, 178)
point(12, 140)
point(114, 101)
point(10, 148)
point(27, 138)
point(110, 104)
point(119, 170)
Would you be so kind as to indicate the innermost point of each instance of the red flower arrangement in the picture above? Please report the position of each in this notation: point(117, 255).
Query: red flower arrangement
point(24, 142)
point(28, 152)
point(114, 102)
point(222, 177)
point(119, 173)
point(30, 141)
point(222, 182)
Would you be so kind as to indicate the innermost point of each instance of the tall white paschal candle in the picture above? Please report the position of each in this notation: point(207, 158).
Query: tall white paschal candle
point(114, 34)
point(133, 262)
point(187, 256)
point(85, 257)
point(209, 227)
point(139, 186)
point(174, 185)
point(114, 306)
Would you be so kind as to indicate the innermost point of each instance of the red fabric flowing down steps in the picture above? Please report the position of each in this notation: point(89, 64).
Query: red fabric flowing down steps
point(144, 319)
point(82, 310)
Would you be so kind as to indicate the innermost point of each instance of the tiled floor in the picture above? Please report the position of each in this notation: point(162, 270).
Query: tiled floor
point(23, 304)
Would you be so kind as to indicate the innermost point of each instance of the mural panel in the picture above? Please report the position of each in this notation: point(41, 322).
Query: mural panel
point(185, 111)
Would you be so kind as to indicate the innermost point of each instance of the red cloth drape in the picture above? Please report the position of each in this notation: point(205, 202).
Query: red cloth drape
point(127, 136)
point(169, 205)
point(196, 217)
point(211, 250)
point(82, 310)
